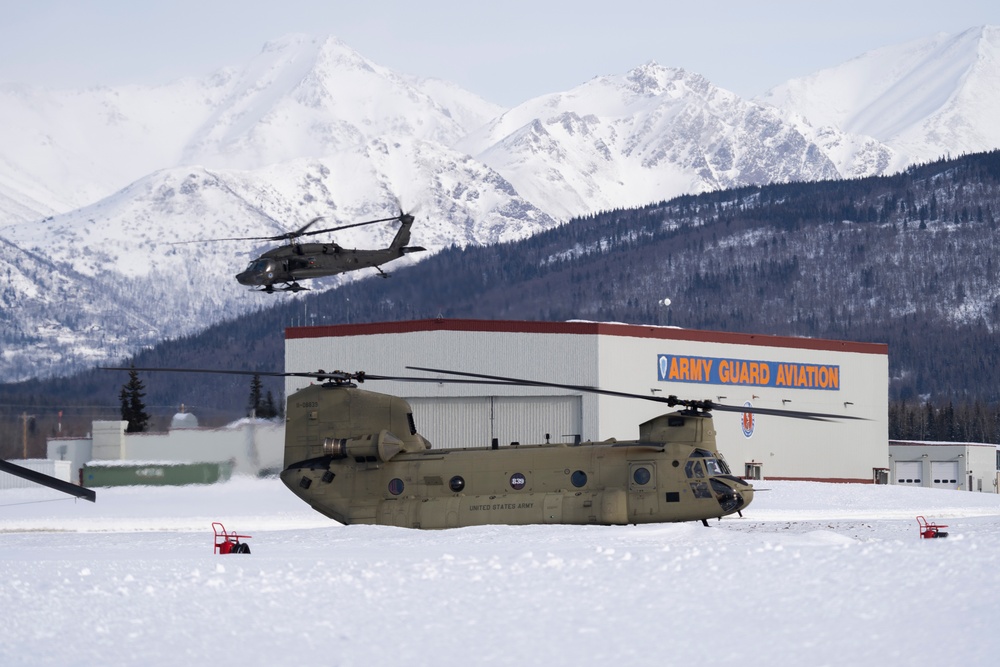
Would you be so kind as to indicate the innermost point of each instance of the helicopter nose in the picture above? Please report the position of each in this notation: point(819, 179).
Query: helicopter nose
point(732, 493)
point(243, 278)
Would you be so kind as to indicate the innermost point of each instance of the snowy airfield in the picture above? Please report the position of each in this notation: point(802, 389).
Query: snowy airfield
point(813, 574)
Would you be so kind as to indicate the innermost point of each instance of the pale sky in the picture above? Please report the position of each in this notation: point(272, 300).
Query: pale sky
point(506, 51)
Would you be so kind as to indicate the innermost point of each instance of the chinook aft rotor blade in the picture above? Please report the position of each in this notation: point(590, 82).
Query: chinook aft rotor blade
point(671, 400)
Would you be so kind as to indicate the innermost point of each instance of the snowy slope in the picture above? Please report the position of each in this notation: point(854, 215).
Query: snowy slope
point(924, 99)
point(648, 135)
point(813, 574)
point(309, 97)
point(106, 279)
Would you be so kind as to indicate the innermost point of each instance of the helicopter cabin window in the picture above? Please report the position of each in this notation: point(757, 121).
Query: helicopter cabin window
point(456, 483)
point(641, 476)
point(578, 478)
point(693, 469)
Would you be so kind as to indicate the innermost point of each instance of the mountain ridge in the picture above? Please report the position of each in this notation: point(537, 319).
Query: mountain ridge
point(309, 128)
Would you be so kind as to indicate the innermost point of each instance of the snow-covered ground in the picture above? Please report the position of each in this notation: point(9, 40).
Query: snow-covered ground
point(813, 574)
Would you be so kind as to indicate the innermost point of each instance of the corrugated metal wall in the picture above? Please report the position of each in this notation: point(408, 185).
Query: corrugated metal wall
point(474, 421)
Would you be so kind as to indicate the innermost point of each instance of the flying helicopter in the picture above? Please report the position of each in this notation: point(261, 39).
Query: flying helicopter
point(280, 269)
point(356, 456)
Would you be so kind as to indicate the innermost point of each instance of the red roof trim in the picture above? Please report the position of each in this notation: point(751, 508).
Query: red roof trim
point(938, 443)
point(584, 328)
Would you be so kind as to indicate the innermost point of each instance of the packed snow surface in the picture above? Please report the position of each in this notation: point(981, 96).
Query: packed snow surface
point(812, 574)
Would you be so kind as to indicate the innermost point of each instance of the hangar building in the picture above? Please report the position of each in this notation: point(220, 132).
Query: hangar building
point(803, 374)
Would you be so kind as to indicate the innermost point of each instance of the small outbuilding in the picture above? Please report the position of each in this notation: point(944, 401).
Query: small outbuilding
point(965, 466)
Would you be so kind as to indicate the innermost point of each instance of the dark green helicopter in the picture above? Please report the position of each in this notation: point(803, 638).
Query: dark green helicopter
point(281, 269)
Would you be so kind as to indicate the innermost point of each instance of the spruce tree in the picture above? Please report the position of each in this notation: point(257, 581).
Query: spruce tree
point(255, 403)
point(133, 409)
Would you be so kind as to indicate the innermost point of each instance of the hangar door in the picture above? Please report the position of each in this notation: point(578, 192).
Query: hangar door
point(908, 472)
point(944, 474)
point(473, 421)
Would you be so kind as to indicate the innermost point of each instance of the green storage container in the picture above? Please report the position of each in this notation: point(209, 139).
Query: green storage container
point(147, 473)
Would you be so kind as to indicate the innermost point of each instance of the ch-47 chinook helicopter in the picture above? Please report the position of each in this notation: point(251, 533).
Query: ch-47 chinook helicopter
point(280, 269)
point(356, 457)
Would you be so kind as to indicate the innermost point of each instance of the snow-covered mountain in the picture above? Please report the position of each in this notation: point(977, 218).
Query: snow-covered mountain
point(647, 135)
point(96, 185)
point(924, 99)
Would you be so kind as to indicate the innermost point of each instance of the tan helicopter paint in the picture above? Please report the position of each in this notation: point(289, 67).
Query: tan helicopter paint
point(355, 456)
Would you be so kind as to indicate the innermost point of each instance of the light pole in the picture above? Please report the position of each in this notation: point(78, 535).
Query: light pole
point(666, 304)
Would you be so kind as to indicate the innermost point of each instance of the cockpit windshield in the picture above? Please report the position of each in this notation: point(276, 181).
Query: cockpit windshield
point(258, 266)
point(713, 465)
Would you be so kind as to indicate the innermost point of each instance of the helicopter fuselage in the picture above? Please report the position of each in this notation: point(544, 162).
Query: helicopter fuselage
point(287, 264)
point(356, 457)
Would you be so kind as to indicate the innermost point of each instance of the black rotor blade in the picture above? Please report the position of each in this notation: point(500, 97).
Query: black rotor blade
point(298, 232)
point(671, 400)
point(356, 224)
point(321, 375)
point(48, 480)
point(479, 378)
point(301, 231)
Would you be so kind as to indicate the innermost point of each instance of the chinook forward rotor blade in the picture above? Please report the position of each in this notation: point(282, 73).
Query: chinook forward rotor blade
point(671, 400)
point(320, 375)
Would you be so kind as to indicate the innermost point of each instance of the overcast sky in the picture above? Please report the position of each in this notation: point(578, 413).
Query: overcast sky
point(506, 51)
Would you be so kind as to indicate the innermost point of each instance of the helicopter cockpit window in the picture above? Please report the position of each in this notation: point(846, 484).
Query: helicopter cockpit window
point(713, 467)
point(693, 469)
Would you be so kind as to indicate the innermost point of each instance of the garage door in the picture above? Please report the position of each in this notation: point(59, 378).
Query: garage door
point(944, 474)
point(908, 473)
point(474, 421)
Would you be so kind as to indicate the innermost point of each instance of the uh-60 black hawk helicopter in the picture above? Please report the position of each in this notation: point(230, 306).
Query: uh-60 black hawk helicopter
point(356, 457)
point(280, 269)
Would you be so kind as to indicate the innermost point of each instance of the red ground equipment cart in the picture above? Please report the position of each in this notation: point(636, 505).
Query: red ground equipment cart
point(229, 543)
point(930, 529)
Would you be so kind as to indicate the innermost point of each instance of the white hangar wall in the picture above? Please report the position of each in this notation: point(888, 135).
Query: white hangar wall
point(835, 377)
